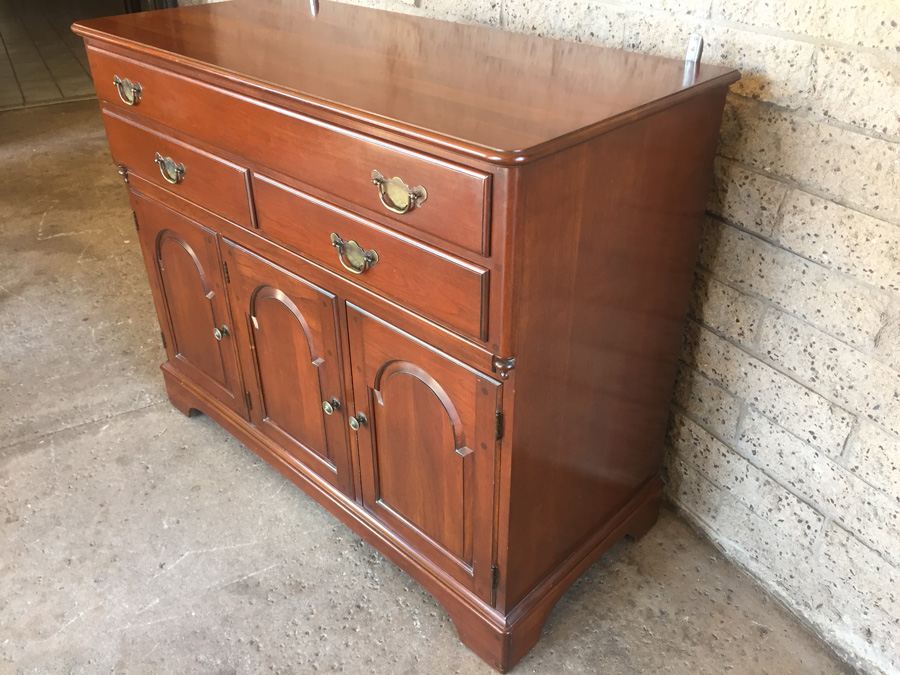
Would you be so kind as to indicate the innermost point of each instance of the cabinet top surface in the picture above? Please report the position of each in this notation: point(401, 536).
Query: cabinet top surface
point(502, 96)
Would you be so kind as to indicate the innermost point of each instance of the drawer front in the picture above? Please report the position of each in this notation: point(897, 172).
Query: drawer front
point(198, 176)
point(321, 155)
point(444, 288)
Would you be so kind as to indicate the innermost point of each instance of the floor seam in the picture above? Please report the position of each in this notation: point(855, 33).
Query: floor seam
point(81, 424)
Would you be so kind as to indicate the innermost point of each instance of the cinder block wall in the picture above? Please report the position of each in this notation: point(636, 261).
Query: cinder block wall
point(785, 433)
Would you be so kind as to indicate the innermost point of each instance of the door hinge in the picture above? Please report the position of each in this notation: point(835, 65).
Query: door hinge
point(499, 425)
point(163, 338)
point(225, 271)
point(248, 400)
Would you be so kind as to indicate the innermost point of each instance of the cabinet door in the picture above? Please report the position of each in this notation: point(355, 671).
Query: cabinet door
point(427, 447)
point(185, 273)
point(289, 350)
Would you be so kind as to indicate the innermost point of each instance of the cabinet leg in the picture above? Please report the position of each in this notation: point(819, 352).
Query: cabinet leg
point(644, 519)
point(180, 397)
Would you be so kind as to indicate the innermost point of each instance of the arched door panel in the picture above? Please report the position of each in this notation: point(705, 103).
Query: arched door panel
point(185, 273)
point(428, 446)
point(291, 362)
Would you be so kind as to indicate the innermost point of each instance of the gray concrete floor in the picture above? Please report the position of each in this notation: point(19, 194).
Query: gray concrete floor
point(137, 540)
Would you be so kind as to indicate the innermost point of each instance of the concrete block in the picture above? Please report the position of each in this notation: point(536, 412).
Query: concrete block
point(864, 24)
point(726, 310)
point(870, 514)
point(743, 534)
point(707, 402)
point(833, 302)
point(690, 490)
point(695, 8)
point(857, 569)
point(477, 11)
point(856, 169)
point(842, 239)
point(874, 456)
point(887, 344)
point(841, 591)
point(773, 69)
point(859, 88)
point(856, 381)
point(733, 473)
point(791, 405)
point(580, 22)
point(746, 198)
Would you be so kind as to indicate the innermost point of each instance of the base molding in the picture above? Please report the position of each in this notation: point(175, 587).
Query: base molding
point(499, 639)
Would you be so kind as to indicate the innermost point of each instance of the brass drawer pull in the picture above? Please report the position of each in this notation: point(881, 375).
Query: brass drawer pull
point(353, 257)
point(129, 92)
point(396, 195)
point(171, 171)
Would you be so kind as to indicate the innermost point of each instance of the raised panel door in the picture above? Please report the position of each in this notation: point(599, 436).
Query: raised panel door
point(289, 349)
point(183, 264)
point(427, 446)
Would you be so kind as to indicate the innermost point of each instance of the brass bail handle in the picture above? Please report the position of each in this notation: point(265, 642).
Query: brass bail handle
point(129, 92)
point(171, 171)
point(352, 256)
point(396, 195)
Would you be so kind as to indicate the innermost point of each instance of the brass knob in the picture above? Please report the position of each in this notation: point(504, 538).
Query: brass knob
point(171, 171)
point(352, 256)
point(220, 332)
point(330, 406)
point(396, 195)
point(357, 421)
point(129, 92)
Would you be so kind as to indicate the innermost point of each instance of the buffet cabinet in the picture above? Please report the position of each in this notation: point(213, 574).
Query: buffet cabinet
point(434, 274)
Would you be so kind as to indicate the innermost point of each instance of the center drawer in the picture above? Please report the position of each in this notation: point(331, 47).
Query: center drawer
point(447, 289)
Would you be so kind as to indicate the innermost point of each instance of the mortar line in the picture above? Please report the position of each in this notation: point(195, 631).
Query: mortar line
point(823, 510)
point(803, 187)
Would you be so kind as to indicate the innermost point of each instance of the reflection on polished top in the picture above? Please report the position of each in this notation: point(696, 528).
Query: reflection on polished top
point(502, 96)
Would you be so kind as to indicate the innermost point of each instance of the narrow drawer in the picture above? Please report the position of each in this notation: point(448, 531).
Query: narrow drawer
point(327, 157)
point(433, 283)
point(189, 172)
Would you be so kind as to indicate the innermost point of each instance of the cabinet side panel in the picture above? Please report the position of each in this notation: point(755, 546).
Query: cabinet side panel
point(608, 239)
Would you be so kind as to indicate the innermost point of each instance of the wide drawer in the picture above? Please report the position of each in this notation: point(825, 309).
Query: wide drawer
point(433, 283)
point(207, 180)
point(330, 158)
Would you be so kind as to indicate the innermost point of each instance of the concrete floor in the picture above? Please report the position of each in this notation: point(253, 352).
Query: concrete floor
point(137, 540)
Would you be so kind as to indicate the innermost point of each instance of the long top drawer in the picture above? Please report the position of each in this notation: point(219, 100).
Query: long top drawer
point(332, 159)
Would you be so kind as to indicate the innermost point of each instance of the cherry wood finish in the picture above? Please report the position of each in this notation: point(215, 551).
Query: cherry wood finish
point(331, 158)
point(427, 448)
point(208, 180)
point(497, 383)
point(477, 90)
point(406, 271)
point(182, 261)
point(287, 332)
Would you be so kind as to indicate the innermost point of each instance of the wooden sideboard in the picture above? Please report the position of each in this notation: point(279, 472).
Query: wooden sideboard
point(435, 274)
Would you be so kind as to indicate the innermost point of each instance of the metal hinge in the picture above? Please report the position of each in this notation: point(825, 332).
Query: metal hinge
point(248, 400)
point(225, 270)
point(163, 337)
point(122, 170)
point(499, 425)
point(502, 365)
